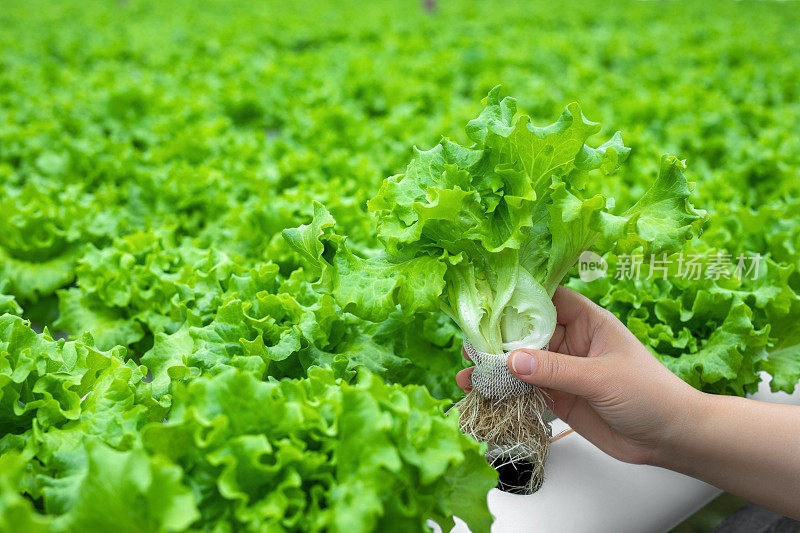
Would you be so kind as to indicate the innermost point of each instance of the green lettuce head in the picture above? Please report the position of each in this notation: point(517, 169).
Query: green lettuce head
point(487, 232)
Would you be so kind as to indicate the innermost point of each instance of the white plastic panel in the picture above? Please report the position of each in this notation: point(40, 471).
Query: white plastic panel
point(587, 491)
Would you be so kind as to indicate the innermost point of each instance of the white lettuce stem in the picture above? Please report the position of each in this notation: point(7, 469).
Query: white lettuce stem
point(507, 311)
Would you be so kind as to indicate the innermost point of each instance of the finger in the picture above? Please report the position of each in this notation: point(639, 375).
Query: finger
point(571, 306)
point(576, 375)
point(464, 378)
point(581, 319)
point(557, 340)
point(464, 353)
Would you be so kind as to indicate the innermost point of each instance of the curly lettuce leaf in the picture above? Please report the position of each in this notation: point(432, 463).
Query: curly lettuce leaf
point(8, 304)
point(321, 454)
point(488, 231)
point(372, 287)
point(17, 513)
point(128, 492)
point(717, 335)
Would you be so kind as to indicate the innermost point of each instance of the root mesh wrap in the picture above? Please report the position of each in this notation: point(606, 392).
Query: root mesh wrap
point(491, 376)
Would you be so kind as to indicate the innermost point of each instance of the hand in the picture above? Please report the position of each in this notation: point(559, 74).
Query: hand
point(604, 383)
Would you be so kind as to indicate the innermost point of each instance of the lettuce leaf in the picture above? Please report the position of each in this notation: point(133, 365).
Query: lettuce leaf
point(318, 454)
point(487, 232)
point(717, 335)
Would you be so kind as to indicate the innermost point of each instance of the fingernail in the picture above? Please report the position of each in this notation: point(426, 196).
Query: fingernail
point(522, 363)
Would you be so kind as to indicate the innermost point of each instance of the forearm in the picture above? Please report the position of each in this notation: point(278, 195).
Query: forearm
point(746, 447)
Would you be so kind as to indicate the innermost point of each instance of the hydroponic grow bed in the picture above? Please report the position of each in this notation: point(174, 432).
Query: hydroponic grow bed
point(585, 490)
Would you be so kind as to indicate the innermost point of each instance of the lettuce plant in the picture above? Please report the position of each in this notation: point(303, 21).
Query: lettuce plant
point(487, 232)
point(89, 445)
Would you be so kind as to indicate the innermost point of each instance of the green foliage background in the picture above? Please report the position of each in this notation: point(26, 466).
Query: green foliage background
point(151, 153)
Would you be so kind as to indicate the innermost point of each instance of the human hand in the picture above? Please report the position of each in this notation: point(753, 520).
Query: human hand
point(604, 383)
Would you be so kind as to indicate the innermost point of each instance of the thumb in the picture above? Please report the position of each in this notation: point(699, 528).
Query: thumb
point(575, 375)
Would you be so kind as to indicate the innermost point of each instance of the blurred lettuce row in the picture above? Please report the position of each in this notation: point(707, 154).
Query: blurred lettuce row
point(184, 310)
point(8, 303)
point(150, 157)
point(283, 330)
point(42, 229)
point(716, 334)
point(220, 137)
point(52, 235)
point(85, 445)
point(146, 283)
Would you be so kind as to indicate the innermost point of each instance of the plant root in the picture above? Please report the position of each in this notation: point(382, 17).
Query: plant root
point(516, 432)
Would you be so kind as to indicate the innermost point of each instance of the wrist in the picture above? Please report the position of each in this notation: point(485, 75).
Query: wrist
point(682, 425)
